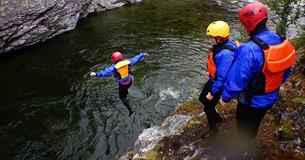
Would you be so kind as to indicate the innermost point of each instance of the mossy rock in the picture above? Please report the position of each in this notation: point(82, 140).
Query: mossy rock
point(286, 130)
point(154, 154)
point(130, 155)
point(191, 107)
point(299, 100)
point(195, 122)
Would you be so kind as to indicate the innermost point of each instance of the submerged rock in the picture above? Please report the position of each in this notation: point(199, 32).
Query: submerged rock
point(25, 22)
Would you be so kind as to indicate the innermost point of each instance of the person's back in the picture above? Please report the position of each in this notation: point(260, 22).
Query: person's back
point(120, 70)
point(219, 62)
point(261, 66)
point(250, 56)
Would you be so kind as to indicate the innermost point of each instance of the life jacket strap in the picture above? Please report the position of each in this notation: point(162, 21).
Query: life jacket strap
point(229, 48)
point(260, 43)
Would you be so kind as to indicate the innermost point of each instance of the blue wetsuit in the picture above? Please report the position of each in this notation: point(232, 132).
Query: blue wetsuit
point(248, 64)
point(223, 60)
point(124, 83)
point(111, 70)
point(241, 83)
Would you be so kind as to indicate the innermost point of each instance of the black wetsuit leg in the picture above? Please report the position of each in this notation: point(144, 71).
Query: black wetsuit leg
point(248, 120)
point(123, 92)
point(210, 105)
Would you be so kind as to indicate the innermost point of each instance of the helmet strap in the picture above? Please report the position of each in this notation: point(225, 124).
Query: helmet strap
point(218, 41)
point(261, 27)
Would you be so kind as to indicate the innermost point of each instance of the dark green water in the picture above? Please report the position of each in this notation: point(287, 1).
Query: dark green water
point(51, 109)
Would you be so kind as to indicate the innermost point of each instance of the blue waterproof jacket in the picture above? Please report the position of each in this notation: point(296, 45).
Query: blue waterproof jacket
point(223, 61)
point(112, 70)
point(247, 64)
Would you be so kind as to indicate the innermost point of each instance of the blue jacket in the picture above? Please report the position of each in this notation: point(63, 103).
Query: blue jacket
point(111, 70)
point(223, 61)
point(247, 64)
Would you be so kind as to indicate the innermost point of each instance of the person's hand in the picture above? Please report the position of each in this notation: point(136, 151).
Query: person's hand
point(222, 102)
point(209, 96)
point(207, 74)
point(92, 74)
point(237, 43)
point(146, 55)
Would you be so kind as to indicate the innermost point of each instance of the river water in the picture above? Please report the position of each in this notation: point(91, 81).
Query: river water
point(51, 108)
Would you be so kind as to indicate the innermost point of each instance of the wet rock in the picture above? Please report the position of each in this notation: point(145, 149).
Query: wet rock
point(286, 130)
point(128, 156)
point(281, 135)
point(148, 139)
point(300, 65)
point(25, 22)
point(187, 158)
point(198, 153)
point(293, 127)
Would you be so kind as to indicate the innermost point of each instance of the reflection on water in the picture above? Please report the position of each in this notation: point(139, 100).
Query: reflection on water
point(51, 109)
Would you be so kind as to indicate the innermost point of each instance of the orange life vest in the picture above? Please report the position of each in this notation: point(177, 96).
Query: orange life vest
point(211, 61)
point(122, 68)
point(277, 59)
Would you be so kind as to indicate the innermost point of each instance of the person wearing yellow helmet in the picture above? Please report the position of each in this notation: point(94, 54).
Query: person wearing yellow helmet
point(219, 62)
point(260, 67)
point(219, 30)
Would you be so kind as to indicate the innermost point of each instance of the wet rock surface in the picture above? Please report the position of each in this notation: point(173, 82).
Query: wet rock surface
point(292, 131)
point(26, 22)
point(281, 135)
point(148, 139)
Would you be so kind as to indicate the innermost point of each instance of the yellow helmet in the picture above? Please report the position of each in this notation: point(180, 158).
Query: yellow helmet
point(218, 29)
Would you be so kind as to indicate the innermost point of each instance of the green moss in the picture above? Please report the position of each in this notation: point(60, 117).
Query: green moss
point(159, 146)
point(299, 76)
point(191, 107)
point(286, 130)
point(299, 100)
point(154, 154)
point(130, 155)
point(194, 122)
point(219, 108)
point(298, 43)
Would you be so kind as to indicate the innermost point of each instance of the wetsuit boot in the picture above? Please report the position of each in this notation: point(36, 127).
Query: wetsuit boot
point(212, 132)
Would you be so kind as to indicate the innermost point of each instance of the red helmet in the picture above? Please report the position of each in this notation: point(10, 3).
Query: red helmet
point(116, 56)
point(251, 14)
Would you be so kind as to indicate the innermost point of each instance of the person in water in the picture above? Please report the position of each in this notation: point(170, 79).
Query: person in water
point(120, 69)
point(261, 66)
point(219, 61)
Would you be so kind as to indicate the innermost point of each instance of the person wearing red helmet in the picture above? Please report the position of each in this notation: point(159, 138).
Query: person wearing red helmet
point(116, 56)
point(261, 65)
point(119, 69)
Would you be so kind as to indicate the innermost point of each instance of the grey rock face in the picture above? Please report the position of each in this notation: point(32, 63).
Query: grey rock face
point(147, 140)
point(26, 22)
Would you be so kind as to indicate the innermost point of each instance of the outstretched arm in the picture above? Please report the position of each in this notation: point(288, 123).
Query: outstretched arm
point(137, 58)
point(104, 73)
